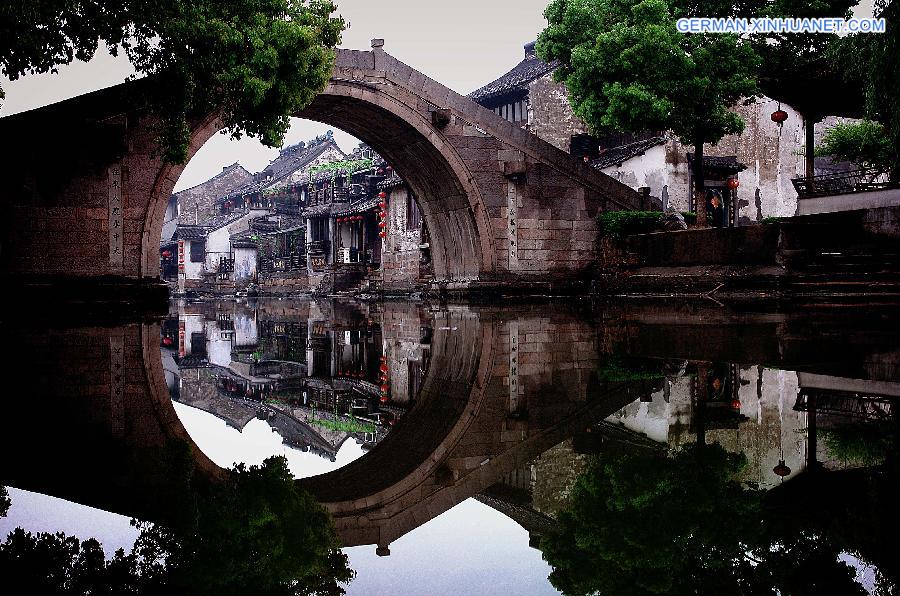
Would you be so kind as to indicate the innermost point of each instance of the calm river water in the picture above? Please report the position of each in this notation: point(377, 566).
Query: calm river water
point(648, 447)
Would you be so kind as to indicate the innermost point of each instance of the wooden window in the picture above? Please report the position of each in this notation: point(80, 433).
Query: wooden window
point(198, 251)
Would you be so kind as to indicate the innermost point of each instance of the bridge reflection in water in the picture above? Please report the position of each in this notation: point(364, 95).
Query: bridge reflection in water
point(451, 402)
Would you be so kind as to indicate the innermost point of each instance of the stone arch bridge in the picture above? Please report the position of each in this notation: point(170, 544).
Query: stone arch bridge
point(83, 194)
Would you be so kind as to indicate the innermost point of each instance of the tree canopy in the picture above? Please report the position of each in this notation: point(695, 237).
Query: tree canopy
point(255, 61)
point(865, 144)
point(626, 67)
point(641, 522)
point(255, 534)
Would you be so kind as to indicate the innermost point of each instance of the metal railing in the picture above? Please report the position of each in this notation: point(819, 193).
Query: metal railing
point(842, 183)
point(225, 265)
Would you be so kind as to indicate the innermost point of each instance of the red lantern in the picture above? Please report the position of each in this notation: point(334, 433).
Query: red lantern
point(779, 116)
point(736, 404)
point(384, 367)
point(381, 224)
point(167, 341)
point(781, 469)
point(733, 183)
point(384, 399)
point(382, 204)
point(167, 253)
point(380, 171)
point(382, 234)
point(384, 388)
point(389, 169)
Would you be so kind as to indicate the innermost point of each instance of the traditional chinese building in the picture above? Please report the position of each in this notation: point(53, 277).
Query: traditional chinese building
point(762, 160)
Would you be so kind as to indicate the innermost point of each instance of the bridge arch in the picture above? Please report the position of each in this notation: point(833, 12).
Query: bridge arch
point(384, 114)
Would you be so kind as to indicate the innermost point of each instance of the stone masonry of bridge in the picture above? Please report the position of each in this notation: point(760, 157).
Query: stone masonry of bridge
point(92, 417)
point(84, 192)
point(533, 389)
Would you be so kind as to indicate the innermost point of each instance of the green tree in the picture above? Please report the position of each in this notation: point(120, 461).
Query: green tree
point(863, 143)
point(871, 63)
point(799, 69)
point(255, 61)
point(257, 533)
point(626, 67)
point(641, 522)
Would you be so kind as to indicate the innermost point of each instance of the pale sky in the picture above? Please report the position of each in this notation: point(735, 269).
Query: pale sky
point(463, 44)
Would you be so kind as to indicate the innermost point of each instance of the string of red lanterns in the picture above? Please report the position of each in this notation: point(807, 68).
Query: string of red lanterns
point(385, 385)
point(382, 214)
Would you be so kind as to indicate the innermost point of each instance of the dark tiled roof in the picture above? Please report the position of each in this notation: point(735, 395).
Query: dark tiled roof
point(201, 198)
point(616, 156)
point(191, 232)
point(392, 182)
point(360, 207)
point(319, 210)
point(243, 239)
point(218, 221)
point(515, 81)
point(230, 176)
point(296, 157)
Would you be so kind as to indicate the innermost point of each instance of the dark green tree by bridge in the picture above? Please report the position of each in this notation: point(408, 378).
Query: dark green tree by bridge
point(257, 533)
point(871, 64)
point(681, 523)
point(627, 68)
point(256, 61)
point(799, 68)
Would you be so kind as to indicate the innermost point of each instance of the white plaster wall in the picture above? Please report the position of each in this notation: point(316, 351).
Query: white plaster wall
point(773, 157)
point(192, 324)
point(647, 418)
point(218, 244)
point(218, 345)
point(244, 264)
point(649, 169)
point(245, 330)
point(191, 270)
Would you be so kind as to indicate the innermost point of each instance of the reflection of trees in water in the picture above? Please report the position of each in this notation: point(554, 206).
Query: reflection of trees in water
point(643, 523)
point(4, 501)
point(254, 533)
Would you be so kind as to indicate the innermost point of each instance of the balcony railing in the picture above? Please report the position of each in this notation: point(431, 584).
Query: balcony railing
point(842, 183)
point(341, 195)
point(225, 266)
point(317, 247)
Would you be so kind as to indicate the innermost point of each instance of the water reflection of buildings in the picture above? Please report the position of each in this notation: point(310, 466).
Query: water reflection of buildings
point(319, 373)
point(761, 412)
point(776, 418)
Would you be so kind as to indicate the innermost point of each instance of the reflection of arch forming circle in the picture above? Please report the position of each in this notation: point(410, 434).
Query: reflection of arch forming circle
point(383, 114)
point(451, 397)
